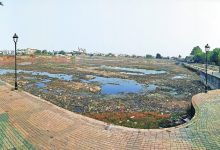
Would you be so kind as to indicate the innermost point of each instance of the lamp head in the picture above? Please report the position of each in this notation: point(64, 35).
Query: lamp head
point(15, 38)
point(207, 47)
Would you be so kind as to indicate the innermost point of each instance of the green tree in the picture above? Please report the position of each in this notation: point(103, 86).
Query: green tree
point(196, 50)
point(198, 55)
point(158, 56)
point(44, 52)
point(110, 55)
point(133, 56)
point(55, 52)
point(199, 58)
point(49, 53)
point(209, 57)
point(148, 56)
point(215, 56)
point(219, 61)
point(62, 52)
point(37, 52)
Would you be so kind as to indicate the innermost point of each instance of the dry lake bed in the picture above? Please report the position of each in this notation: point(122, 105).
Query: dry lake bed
point(132, 92)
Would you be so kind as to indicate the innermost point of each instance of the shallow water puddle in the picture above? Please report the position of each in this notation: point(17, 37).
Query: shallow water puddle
point(42, 83)
point(151, 87)
point(51, 75)
point(133, 71)
point(116, 85)
point(179, 76)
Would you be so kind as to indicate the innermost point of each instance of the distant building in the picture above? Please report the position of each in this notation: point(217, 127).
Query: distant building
point(59, 55)
point(82, 50)
point(110, 55)
point(21, 51)
point(75, 53)
point(69, 54)
point(7, 52)
point(123, 55)
point(173, 58)
point(31, 51)
point(98, 54)
point(79, 51)
point(166, 57)
point(27, 51)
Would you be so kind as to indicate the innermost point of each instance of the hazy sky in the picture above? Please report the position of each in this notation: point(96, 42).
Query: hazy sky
point(170, 27)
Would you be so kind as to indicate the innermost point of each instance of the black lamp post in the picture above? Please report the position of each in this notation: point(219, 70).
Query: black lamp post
point(15, 39)
point(207, 48)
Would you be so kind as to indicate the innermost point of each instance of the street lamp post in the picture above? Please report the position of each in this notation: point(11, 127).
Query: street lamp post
point(15, 39)
point(207, 48)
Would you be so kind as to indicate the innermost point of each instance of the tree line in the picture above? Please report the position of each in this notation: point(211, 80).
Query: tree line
point(198, 56)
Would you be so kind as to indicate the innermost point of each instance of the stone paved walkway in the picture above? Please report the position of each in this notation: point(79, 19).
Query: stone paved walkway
point(28, 122)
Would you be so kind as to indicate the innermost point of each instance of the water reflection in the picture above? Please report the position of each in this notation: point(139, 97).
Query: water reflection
point(116, 85)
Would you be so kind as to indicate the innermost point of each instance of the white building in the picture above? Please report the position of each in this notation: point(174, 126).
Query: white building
point(7, 52)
